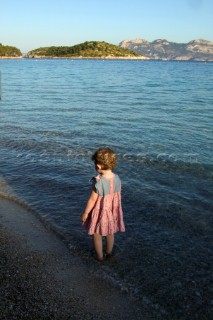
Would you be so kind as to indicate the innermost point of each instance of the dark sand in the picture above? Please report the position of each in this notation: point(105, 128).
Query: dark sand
point(41, 279)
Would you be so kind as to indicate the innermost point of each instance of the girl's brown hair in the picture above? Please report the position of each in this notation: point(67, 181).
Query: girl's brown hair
point(106, 157)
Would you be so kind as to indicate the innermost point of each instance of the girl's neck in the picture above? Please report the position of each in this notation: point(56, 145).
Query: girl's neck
point(108, 174)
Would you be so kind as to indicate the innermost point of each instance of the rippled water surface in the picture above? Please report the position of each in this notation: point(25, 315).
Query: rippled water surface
point(158, 117)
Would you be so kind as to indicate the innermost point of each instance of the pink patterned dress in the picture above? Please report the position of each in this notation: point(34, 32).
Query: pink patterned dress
point(107, 216)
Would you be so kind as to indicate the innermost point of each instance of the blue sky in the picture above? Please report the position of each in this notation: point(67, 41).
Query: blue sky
point(32, 24)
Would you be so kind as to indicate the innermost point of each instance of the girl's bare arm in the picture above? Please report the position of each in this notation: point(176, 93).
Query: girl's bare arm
point(90, 204)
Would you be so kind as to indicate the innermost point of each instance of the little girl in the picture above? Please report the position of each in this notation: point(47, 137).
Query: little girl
point(103, 214)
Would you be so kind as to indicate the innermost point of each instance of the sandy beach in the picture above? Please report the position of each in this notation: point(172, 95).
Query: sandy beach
point(40, 279)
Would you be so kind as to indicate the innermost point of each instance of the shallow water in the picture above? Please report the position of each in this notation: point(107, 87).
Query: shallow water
point(158, 117)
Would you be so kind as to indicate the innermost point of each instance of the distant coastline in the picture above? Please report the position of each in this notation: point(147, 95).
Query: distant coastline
point(105, 58)
point(138, 49)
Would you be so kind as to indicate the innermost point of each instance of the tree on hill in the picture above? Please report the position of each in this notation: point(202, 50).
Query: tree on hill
point(9, 51)
point(93, 49)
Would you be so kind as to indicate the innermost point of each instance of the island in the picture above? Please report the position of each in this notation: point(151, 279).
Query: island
point(88, 49)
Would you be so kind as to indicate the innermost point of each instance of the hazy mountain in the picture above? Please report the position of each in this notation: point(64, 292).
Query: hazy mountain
point(198, 50)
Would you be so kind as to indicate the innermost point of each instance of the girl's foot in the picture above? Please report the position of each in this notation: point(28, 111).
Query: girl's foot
point(108, 255)
point(100, 259)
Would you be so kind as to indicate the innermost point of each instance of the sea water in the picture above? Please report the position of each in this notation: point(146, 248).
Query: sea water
point(157, 116)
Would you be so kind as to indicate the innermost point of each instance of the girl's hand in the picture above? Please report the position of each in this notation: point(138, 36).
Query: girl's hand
point(84, 217)
point(90, 204)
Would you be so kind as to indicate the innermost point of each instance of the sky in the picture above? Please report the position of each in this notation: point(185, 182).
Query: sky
point(29, 25)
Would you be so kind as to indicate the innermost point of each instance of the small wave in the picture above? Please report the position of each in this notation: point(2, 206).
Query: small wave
point(161, 157)
point(48, 225)
point(176, 162)
point(49, 150)
point(16, 200)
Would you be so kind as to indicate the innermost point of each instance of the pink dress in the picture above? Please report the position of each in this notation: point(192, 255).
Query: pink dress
point(107, 215)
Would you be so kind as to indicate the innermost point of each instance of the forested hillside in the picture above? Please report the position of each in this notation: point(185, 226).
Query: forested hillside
point(9, 51)
point(93, 49)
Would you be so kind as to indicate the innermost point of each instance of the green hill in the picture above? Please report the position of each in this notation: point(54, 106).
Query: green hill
point(91, 49)
point(8, 51)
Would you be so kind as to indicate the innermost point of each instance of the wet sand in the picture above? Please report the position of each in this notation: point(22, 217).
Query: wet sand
point(41, 279)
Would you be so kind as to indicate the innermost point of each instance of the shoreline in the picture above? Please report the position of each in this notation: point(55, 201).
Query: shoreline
point(40, 278)
point(105, 58)
point(2, 57)
point(78, 58)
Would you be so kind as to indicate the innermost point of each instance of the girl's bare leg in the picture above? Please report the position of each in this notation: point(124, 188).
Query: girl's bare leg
point(98, 245)
point(109, 243)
